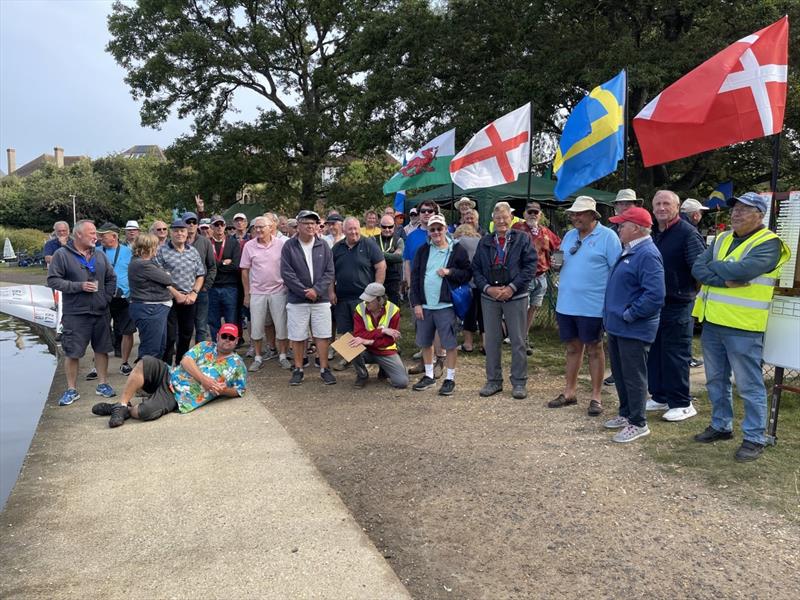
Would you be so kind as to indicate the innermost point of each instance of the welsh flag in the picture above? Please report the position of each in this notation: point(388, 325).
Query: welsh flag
point(429, 166)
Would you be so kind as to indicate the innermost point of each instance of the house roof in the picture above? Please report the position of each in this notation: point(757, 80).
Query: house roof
point(141, 151)
point(42, 160)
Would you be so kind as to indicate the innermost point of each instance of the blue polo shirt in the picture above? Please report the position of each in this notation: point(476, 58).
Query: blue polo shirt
point(584, 274)
point(121, 268)
point(414, 242)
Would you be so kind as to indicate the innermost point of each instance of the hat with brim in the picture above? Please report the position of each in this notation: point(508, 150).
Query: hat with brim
point(217, 219)
point(636, 215)
point(334, 218)
point(436, 220)
point(584, 204)
point(465, 201)
point(750, 199)
point(628, 195)
point(291, 222)
point(230, 329)
point(108, 227)
point(240, 216)
point(178, 224)
point(690, 205)
point(307, 214)
point(189, 215)
point(132, 225)
point(372, 291)
point(413, 211)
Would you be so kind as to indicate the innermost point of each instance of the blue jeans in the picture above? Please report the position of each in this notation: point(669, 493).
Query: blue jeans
point(221, 304)
point(726, 349)
point(151, 321)
point(668, 363)
point(201, 318)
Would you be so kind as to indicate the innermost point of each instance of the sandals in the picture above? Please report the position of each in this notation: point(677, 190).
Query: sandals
point(560, 401)
point(595, 408)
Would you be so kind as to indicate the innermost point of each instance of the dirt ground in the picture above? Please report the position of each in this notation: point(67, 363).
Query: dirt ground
point(498, 498)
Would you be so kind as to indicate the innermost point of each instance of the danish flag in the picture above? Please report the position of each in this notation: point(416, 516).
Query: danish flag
point(496, 154)
point(737, 95)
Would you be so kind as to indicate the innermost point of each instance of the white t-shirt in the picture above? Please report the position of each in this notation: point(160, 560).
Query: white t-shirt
point(307, 248)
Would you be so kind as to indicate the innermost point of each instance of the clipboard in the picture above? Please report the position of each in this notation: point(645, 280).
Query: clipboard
point(342, 346)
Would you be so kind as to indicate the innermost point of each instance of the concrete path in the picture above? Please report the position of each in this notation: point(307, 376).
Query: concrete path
point(219, 503)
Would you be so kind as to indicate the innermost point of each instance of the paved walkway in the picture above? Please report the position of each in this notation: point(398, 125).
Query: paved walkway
point(219, 503)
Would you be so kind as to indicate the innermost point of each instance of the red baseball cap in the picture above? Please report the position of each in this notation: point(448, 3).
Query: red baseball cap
point(635, 214)
point(230, 328)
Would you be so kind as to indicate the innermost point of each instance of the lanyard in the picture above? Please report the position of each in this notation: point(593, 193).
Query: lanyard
point(501, 249)
point(380, 241)
point(88, 264)
point(218, 255)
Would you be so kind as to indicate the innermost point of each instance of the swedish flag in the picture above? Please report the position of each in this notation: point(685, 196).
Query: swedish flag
point(720, 195)
point(593, 140)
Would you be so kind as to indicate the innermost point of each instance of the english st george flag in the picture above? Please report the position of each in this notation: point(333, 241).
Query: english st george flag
point(737, 95)
point(496, 154)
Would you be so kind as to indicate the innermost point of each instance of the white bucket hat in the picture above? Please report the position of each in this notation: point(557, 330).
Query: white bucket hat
point(584, 203)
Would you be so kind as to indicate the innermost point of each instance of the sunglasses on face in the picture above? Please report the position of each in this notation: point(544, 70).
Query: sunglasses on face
point(436, 229)
point(228, 337)
point(532, 211)
point(218, 224)
point(576, 247)
point(161, 228)
point(191, 221)
point(427, 211)
point(387, 226)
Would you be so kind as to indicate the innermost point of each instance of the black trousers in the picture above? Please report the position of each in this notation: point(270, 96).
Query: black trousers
point(180, 328)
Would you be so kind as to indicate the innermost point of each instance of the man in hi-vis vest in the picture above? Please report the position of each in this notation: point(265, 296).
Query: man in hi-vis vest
point(738, 272)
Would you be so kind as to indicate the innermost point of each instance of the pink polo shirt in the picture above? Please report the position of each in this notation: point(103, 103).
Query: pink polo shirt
point(264, 262)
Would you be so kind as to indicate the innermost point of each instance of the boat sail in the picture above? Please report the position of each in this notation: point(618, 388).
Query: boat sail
point(8, 251)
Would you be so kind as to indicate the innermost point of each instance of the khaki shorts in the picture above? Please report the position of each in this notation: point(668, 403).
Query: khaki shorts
point(268, 309)
point(300, 317)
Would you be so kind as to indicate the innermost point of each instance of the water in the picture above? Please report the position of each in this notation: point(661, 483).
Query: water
point(26, 372)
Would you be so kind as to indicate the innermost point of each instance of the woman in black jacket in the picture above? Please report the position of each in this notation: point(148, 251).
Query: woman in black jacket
point(152, 294)
point(437, 265)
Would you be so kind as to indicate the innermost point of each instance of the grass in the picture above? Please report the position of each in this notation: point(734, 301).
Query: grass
point(772, 482)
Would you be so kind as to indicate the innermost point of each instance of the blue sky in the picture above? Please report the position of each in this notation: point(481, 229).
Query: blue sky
point(59, 87)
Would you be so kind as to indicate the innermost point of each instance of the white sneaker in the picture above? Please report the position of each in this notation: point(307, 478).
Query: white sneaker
point(256, 364)
point(680, 414)
point(653, 405)
point(284, 363)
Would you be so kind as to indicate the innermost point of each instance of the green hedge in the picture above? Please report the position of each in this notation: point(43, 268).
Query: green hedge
point(30, 240)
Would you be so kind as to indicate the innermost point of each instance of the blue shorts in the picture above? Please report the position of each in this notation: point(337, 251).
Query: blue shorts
point(589, 330)
point(442, 321)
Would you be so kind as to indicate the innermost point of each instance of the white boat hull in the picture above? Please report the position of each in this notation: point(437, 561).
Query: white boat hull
point(34, 303)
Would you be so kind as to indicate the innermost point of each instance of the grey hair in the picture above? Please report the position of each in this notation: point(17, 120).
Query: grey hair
point(502, 207)
point(643, 230)
point(80, 225)
point(57, 223)
point(352, 219)
point(675, 198)
point(272, 217)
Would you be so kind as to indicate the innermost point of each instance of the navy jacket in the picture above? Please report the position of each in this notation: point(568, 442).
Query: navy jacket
point(458, 263)
point(680, 245)
point(635, 293)
point(521, 260)
point(294, 270)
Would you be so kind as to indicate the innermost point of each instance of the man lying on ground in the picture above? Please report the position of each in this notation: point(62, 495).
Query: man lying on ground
point(207, 371)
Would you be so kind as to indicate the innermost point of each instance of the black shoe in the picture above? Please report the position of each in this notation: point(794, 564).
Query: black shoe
point(91, 375)
point(608, 380)
point(748, 451)
point(327, 377)
point(297, 377)
point(103, 409)
point(125, 369)
point(360, 382)
point(382, 374)
point(423, 384)
point(119, 413)
point(448, 387)
point(712, 435)
point(695, 362)
point(519, 392)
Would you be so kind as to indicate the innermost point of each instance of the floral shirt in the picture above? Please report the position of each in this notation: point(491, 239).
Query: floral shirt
point(189, 394)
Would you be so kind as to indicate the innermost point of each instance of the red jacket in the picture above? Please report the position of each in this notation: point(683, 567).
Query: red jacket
point(381, 340)
point(546, 242)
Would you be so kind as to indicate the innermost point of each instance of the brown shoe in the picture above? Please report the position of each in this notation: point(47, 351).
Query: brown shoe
point(595, 408)
point(417, 369)
point(560, 401)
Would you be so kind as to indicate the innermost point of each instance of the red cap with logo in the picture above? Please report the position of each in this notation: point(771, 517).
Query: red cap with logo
point(230, 328)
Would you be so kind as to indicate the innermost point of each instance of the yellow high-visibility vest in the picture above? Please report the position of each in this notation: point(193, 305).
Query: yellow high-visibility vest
point(740, 307)
point(390, 311)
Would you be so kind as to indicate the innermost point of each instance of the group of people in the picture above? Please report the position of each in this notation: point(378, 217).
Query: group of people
point(305, 280)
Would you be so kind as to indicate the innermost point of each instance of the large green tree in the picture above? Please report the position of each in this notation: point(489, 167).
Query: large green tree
point(195, 56)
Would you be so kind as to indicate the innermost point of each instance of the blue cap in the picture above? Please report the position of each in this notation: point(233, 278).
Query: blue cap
point(189, 215)
point(178, 224)
point(751, 199)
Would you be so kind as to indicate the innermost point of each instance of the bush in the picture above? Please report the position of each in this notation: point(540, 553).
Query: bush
point(30, 240)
